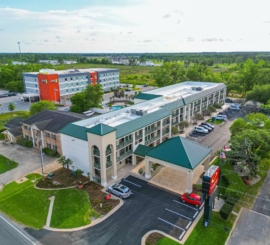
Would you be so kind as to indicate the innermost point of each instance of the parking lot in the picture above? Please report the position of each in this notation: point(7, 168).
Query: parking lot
point(148, 208)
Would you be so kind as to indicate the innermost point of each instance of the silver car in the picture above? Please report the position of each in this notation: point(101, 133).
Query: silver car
point(119, 190)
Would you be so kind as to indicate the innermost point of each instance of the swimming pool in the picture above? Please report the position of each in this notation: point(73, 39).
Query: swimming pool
point(116, 107)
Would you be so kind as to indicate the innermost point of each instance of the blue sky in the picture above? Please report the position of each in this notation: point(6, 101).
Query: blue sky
point(134, 25)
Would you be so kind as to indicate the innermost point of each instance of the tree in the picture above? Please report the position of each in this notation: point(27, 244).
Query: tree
point(238, 125)
point(183, 125)
point(197, 117)
point(41, 106)
point(62, 160)
point(126, 96)
point(12, 86)
point(206, 112)
point(11, 106)
point(68, 162)
point(94, 95)
point(212, 108)
point(259, 94)
point(175, 130)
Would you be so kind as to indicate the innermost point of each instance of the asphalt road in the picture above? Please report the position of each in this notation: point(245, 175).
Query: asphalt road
point(148, 208)
point(12, 234)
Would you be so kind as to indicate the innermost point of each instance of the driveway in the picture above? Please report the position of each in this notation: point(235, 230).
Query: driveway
point(28, 160)
point(148, 208)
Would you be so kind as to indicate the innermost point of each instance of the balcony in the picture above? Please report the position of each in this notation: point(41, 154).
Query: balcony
point(139, 136)
point(152, 140)
point(96, 152)
point(175, 114)
point(123, 144)
point(166, 122)
point(108, 164)
point(123, 156)
point(108, 152)
point(175, 123)
point(165, 131)
point(97, 165)
point(151, 130)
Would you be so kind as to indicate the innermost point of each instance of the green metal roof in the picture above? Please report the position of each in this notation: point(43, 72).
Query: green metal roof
point(75, 131)
point(180, 151)
point(100, 129)
point(144, 96)
point(141, 150)
point(203, 93)
point(136, 124)
point(174, 105)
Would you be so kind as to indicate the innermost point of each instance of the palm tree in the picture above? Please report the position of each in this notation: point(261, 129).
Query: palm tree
point(68, 162)
point(126, 96)
point(62, 161)
point(110, 98)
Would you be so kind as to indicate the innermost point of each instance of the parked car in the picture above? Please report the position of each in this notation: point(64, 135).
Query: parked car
point(200, 130)
point(222, 113)
point(145, 85)
point(208, 124)
point(238, 105)
point(5, 95)
point(192, 198)
point(127, 90)
point(234, 108)
point(119, 190)
point(221, 117)
point(228, 100)
point(66, 109)
point(206, 127)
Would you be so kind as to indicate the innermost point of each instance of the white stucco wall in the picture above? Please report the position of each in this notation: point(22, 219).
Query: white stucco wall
point(77, 151)
point(137, 101)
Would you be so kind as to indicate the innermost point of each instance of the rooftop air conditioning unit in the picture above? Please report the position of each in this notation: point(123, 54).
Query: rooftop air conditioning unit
point(199, 89)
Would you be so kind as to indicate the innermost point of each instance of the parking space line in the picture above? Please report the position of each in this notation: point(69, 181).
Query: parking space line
point(188, 225)
point(171, 224)
point(201, 206)
point(195, 214)
point(126, 177)
point(178, 214)
point(185, 205)
point(132, 183)
point(183, 233)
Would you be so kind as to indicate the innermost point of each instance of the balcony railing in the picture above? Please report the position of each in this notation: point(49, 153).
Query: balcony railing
point(108, 164)
point(151, 130)
point(97, 165)
point(165, 122)
point(174, 123)
point(96, 152)
point(122, 144)
point(108, 152)
point(165, 131)
point(175, 114)
point(139, 136)
point(152, 140)
point(126, 154)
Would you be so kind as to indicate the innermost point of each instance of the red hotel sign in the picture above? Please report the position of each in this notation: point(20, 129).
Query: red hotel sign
point(210, 180)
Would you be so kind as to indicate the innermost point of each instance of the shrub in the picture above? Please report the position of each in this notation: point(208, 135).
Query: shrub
point(218, 106)
point(212, 108)
point(50, 152)
point(226, 210)
point(25, 142)
point(231, 201)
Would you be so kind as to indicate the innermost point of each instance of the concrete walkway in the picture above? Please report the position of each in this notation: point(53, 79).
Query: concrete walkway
point(49, 216)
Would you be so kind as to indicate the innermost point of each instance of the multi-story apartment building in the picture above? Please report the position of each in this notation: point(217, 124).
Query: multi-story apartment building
point(54, 85)
point(42, 129)
point(102, 144)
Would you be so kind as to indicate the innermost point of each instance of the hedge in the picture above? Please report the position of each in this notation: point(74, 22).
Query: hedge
point(50, 152)
point(226, 210)
point(25, 142)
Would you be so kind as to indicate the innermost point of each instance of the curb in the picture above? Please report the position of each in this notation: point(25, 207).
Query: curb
point(52, 189)
point(93, 223)
point(157, 231)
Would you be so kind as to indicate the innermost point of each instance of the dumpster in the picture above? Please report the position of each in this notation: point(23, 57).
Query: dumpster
point(213, 119)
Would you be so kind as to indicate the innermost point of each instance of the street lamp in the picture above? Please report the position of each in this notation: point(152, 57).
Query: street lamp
point(41, 153)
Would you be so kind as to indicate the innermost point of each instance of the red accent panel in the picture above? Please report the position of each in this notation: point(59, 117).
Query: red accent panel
point(49, 87)
point(94, 77)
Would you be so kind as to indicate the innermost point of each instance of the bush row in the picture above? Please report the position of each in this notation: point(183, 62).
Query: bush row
point(50, 152)
point(25, 142)
point(226, 210)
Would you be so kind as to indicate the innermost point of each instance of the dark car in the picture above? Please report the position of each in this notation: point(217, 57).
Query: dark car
point(12, 94)
point(222, 113)
point(228, 100)
point(145, 85)
point(127, 90)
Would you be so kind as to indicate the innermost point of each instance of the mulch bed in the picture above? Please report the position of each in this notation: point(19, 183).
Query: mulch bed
point(63, 177)
point(153, 238)
point(97, 196)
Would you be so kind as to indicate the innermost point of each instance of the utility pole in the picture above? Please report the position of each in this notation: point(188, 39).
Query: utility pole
point(41, 153)
point(20, 51)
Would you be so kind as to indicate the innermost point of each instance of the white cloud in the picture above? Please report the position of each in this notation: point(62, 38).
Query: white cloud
point(158, 25)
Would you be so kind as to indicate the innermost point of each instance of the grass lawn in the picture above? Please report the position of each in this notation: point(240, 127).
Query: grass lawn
point(167, 241)
point(2, 136)
point(214, 234)
point(4, 118)
point(29, 206)
point(6, 164)
point(72, 209)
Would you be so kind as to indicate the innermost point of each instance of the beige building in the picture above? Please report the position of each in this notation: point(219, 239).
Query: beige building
point(103, 144)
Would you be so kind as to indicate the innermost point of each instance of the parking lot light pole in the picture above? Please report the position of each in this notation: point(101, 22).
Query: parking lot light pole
point(41, 156)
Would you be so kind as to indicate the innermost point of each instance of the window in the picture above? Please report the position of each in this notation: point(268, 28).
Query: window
point(76, 78)
point(27, 137)
point(86, 77)
point(25, 127)
point(77, 89)
point(47, 135)
point(71, 78)
point(48, 145)
point(35, 79)
point(54, 136)
point(65, 79)
point(77, 83)
point(36, 85)
point(55, 147)
point(67, 90)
